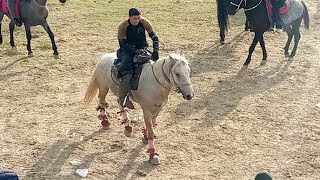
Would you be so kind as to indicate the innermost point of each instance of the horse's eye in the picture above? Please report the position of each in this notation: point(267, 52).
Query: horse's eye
point(178, 75)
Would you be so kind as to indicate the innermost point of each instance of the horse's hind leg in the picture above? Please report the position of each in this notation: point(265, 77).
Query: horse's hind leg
point(290, 36)
point(102, 108)
point(1, 17)
point(297, 36)
point(46, 27)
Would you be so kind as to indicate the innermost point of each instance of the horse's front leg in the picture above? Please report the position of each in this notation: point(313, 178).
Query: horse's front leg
point(153, 155)
point(125, 121)
point(1, 17)
point(46, 27)
point(11, 29)
point(264, 51)
point(28, 35)
point(251, 49)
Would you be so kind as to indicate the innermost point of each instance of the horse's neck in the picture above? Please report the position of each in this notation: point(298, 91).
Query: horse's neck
point(162, 70)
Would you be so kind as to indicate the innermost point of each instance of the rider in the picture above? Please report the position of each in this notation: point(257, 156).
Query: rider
point(276, 5)
point(13, 12)
point(132, 41)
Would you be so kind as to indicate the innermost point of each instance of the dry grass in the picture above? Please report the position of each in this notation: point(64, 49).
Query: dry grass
point(264, 119)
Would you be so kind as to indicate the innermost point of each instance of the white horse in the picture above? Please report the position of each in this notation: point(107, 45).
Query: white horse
point(156, 81)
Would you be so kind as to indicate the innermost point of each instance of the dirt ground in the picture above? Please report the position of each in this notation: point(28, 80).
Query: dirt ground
point(238, 124)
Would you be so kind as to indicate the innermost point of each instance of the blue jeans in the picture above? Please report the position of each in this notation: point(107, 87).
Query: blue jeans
point(8, 175)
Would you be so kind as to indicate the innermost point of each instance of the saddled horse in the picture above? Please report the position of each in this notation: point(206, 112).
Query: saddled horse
point(32, 13)
point(156, 81)
point(223, 19)
point(257, 15)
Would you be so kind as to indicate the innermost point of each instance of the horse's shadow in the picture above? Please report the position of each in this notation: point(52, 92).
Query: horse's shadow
point(202, 62)
point(6, 76)
point(13, 63)
point(50, 164)
point(227, 95)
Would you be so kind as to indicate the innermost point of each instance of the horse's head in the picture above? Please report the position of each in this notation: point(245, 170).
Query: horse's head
point(63, 1)
point(234, 6)
point(180, 75)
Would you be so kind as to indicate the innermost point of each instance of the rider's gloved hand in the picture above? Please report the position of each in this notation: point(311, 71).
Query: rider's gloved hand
point(155, 55)
point(139, 51)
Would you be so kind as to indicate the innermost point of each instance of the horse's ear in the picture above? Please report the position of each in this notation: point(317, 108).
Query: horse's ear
point(172, 58)
point(182, 54)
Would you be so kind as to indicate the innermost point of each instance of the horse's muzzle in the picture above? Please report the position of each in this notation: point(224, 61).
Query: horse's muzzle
point(187, 93)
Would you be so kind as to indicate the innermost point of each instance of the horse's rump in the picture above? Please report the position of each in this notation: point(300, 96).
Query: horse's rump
point(295, 11)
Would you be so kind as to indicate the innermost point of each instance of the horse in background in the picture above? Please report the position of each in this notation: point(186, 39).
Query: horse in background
point(156, 81)
point(257, 15)
point(223, 20)
point(32, 13)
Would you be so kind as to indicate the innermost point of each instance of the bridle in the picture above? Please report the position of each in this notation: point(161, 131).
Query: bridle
point(177, 87)
point(245, 4)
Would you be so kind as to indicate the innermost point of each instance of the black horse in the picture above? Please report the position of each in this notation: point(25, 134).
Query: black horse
point(223, 19)
point(257, 15)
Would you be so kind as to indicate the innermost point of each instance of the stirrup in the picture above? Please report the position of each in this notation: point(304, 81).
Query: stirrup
point(129, 104)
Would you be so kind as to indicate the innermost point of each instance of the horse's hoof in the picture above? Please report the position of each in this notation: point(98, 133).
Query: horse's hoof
point(128, 131)
point(30, 55)
point(144, 140)
point(222, 42)
point(155, 160)
point(105, 124)
point(263, 62)
point(286, 55)
point(14, 48)
point(56, 56)
point(290, 58)
point(244, 67)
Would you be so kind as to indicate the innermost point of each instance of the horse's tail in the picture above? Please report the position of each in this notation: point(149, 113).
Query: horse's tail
point(222, 15)
point(306, 18)
point(91, 90)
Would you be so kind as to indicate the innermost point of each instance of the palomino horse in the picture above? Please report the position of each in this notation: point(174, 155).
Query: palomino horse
point(33, 13)
point(156, 81)
point(257, 15)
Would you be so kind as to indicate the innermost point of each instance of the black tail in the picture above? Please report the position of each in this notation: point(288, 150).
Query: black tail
point(306, 19)
point(222, 15)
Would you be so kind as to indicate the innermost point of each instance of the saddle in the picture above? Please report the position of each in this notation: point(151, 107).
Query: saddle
point(4, 7)
point(139, 61)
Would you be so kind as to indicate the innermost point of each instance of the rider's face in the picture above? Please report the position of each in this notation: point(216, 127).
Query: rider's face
point(134, 20)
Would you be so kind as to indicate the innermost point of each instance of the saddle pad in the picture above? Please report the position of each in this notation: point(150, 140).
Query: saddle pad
point(4, 7)
point(283, 10)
